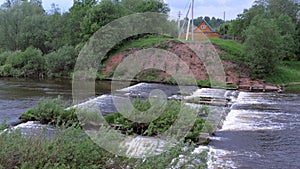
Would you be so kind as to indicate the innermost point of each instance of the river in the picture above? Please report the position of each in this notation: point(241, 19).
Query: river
point(262, 130)
point(18, 95)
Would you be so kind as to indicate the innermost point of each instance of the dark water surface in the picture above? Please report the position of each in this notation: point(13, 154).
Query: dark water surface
point(18, 95)
point(261, 131)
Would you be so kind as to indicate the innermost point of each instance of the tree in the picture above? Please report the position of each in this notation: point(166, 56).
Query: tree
point(262, 46)
point(287, 30)
point(98, 16)
point(107, 11)
point(140, 6)
point(12, 21)
point(284, 7)
point(244, 20)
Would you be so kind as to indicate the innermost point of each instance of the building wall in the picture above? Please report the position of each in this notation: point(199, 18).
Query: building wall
point(202, 32)
point(198, 35)
point(204, 27)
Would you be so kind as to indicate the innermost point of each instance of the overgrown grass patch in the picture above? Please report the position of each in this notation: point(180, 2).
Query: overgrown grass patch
point(233, 48)
point(147, 41)
point(166, 118)
point(72, 148)
point(288, 72)
point(51, 111)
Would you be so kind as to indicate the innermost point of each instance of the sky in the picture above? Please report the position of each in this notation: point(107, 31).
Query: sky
point(209, 8)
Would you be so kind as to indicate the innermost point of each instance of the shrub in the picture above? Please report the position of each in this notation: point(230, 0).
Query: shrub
point(6, 70)
point(51, 111)
point(262, 47)
point(29, 63)
point(72, 148)
point(167, 117)
point(3, 57)
point(61, 62)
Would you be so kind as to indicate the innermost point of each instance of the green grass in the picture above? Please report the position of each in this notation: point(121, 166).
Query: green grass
point(72, 148)
point(51, 111)
point(166, 118)
point(232, 48)
point(144, 42)
point(292, 88)
point(287, 73)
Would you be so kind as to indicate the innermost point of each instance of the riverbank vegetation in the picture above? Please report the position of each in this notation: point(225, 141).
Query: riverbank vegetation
point(55, 112)
point(270, 34)
point(70, 147)
point(46, 44)
point(36, 43)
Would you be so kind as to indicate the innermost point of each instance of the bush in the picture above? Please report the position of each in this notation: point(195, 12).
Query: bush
point(29, 63)
point(72, 148)
point(6, 70)
point(51, 111)
point(3, 57)
point(61, 63)
point(167, 117)
point(262, 46)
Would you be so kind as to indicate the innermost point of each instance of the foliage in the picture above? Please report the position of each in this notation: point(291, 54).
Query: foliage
point(14, 25)
point(3, 57)
point(142, 42)
point(230, 46)
point(107, 11)
point(61, 63)
point(262, 46)
point(243, 21)
point(166, 119)
point(24, 25)
point(72, 148)
point(29, 63)
point(266, 44)
point(288, 72)
point(203, 83)
point(287, 30)
point(51, 111)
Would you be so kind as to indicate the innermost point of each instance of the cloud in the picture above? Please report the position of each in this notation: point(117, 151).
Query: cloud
point(211, 8)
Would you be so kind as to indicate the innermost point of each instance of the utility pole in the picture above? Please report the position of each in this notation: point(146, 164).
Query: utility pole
point(179, 16)
point(189, 22)
point(224, 23)
point(193, 3)
point(182, 27)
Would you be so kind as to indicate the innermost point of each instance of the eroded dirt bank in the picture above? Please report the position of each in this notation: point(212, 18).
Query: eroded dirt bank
point(237, 74)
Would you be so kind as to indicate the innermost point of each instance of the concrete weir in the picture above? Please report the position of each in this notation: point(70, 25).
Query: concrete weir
point(218, 101)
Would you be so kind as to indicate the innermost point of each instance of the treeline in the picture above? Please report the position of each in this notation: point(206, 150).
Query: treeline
point(270, 33)
point(36, 43)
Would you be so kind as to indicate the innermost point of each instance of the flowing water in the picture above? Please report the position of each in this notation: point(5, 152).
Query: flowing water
point(18, 95)
point(261, 131)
